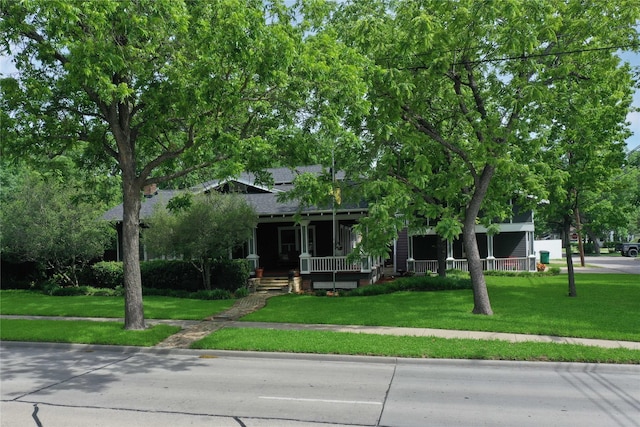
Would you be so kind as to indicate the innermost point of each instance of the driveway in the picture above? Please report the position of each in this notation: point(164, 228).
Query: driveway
point(608, 264)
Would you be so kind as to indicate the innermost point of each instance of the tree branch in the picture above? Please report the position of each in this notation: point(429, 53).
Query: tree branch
point(422, 125)
point(183, 172)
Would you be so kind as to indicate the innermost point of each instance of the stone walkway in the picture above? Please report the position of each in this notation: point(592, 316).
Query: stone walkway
point(194, 331)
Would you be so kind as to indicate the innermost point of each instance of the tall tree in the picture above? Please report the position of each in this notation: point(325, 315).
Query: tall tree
point(158, 88)
point(586, 144)
point(463, 88)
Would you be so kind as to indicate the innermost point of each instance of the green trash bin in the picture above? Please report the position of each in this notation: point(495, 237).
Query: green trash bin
point(544, 257)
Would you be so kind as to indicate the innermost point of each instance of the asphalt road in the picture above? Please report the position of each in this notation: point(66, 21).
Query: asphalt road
point(60, 385)
point(608, 264)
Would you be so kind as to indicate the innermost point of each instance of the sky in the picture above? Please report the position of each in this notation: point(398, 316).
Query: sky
point(7, 68)
point(634, 117)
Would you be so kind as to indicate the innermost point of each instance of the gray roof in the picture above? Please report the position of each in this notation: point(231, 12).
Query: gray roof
point(148, 204)
point(265, 204)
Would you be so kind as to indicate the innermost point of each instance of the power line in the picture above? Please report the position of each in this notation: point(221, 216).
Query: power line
point(521, 57)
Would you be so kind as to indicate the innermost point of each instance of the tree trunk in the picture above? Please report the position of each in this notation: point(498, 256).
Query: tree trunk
point(133, 307)
point(594, 239)
point(567, 248)
point(206, 273)
point(580, 242)
point(481, 303)
point(442, 256)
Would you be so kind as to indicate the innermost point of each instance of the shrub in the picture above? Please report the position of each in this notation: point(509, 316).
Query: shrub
point(230, 274)
point(68, 291)
point(214, 294)
point(505, 273)
point(553, 271)
point(177, 275)
point(104, 274)
point(241, 292)
point(164, 292)
point(415, 283)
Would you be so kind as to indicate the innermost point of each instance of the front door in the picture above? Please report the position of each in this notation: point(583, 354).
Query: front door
point(289, 245)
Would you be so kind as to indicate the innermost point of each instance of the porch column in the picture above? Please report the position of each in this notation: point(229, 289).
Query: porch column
point(450, 258)
point(530, 252)
point(411, 262)
point(253, 257)
point(365, 264)
point(491, 260)
point(365, 260)
point(305, 261)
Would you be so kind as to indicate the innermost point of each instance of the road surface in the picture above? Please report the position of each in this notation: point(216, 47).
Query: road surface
point(60, 385)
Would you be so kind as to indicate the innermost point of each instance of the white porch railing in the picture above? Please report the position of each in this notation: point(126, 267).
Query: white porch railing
point(330, 264)
point(424, 266)
point(501, 264)
point(511, 264)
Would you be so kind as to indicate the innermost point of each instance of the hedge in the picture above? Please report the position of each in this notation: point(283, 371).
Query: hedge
point(415, 283)
point(176, 275)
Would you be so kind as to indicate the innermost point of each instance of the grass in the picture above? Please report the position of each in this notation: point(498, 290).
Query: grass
point(322, 342)
point(82, 332)
point(606, 308)
point(26, 303)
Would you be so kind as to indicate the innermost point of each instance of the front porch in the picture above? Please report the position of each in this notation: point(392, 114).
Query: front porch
point(498, 264)
point(510, 250)
point(281, 247)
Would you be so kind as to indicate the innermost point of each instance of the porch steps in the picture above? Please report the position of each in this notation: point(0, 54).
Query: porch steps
point(271, 284)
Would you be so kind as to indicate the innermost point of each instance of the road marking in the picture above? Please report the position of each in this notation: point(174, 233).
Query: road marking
point(297, 399)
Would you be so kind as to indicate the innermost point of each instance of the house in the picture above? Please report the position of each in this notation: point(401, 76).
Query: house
point(287, 237)
point(512, 249)
point(316, 241)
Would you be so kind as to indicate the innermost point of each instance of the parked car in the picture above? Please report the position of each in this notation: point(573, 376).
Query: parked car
point(628, 249)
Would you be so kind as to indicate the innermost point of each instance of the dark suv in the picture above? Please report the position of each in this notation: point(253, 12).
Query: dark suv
point(628, 249)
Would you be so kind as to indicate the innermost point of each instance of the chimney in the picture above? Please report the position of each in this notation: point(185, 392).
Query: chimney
point(150, 190)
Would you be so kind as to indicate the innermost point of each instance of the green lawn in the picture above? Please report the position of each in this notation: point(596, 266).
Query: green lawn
point(606, 307)
point(155, 307)
point(322, 342)
point(82, 332)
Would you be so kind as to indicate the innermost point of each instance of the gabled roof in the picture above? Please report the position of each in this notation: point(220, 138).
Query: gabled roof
point(263, 199)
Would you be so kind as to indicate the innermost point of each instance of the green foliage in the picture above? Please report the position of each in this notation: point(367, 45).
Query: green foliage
point(105, 274)
point(416, 283)
point(163, 277)
point(465, 97)
point(214, 294)
point(551, 271)
point(230, 274)
point(53, 224)
point(175, 275)
point(204, 232)
point(241, 292)
point(153, 91)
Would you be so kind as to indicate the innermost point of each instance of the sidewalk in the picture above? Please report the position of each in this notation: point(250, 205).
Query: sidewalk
point(193, 330)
